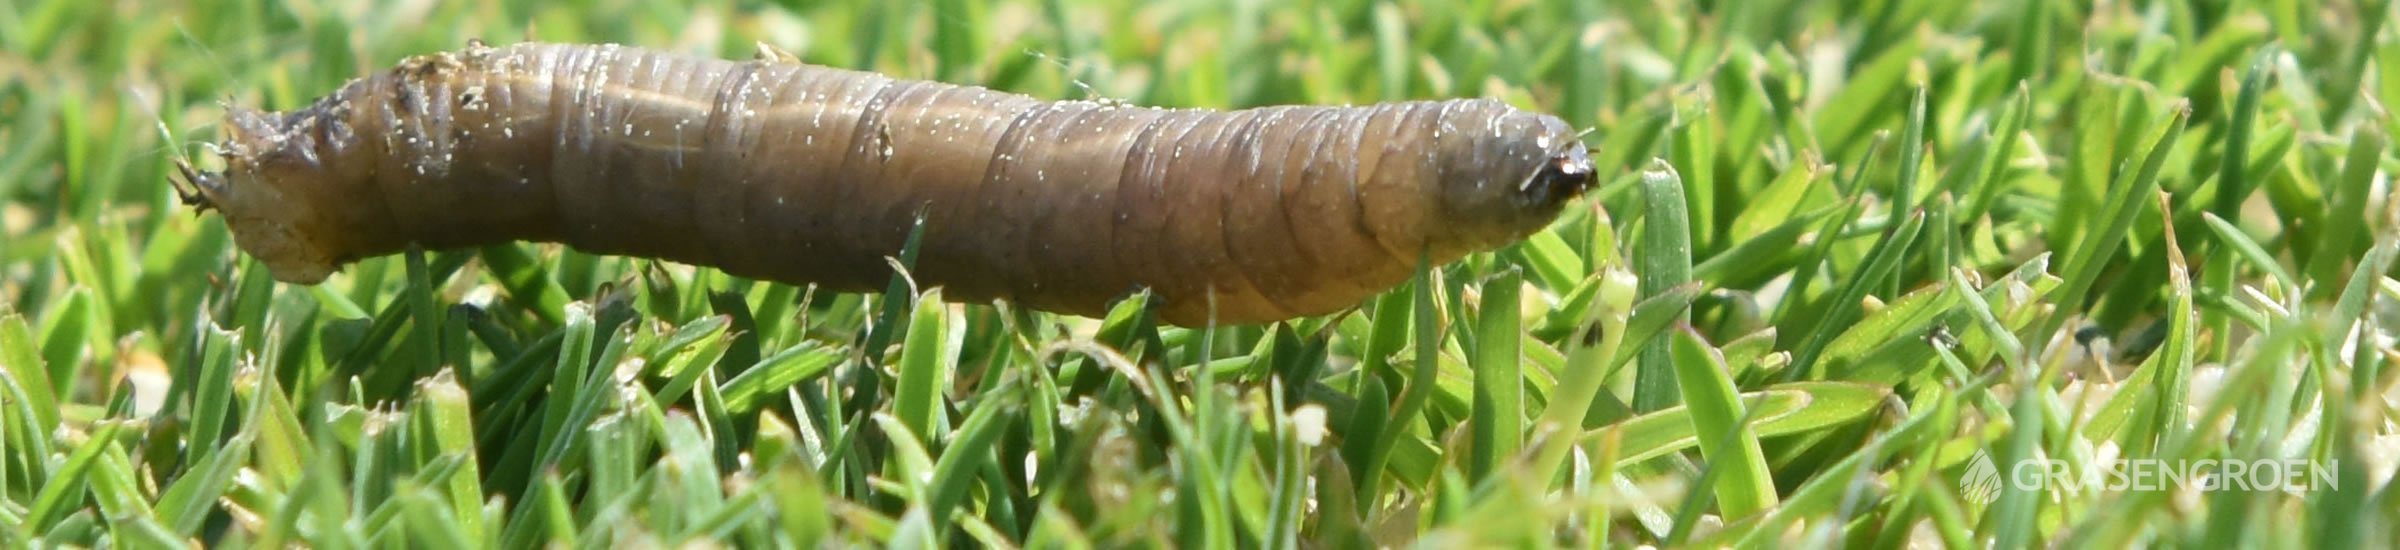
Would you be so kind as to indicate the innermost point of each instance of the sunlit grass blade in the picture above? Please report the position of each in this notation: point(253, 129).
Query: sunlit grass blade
point(2127, 197)
point(1499, 381)
point(924, 367)
point(1745, 486)
point(1664, 261)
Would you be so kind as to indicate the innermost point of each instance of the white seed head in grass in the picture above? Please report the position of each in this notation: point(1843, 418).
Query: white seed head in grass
point(1309, 423)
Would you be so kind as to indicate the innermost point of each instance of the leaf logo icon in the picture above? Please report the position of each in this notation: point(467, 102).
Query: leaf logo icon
point(1981, 482)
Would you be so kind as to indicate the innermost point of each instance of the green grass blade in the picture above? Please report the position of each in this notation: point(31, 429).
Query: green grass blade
point(1665, 261)
point(1499, 381)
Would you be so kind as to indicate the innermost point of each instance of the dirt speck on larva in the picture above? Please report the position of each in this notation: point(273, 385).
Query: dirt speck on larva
point(472, 98)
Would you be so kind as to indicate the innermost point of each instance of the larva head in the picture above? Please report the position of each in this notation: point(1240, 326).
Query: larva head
point(269, 193)
point(1506, 173)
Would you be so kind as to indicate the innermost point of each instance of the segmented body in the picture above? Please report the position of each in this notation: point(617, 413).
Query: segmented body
point(808, 174)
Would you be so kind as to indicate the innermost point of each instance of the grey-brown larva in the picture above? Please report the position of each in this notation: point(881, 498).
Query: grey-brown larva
point(785, 171)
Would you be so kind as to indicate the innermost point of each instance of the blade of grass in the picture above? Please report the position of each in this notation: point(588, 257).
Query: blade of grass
point(1496, 426)
point(1665, 261)
point(2125, 203)
point(1745, 486)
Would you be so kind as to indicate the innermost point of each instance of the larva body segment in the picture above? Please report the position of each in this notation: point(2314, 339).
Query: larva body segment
point(806, 174)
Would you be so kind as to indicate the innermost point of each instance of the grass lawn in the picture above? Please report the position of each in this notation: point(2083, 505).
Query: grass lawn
point(1873, 274)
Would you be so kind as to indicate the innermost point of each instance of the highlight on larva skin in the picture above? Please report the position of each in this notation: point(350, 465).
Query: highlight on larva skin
point(780, 170)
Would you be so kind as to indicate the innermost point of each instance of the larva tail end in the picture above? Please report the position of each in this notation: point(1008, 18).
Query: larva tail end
point(245, 127)
point(195, 187)
point(270, 194)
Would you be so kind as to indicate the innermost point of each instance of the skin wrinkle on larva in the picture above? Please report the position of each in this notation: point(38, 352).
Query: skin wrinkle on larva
point(822, 218)
point(757, 230)
point(619, 127)
point(1290, 196)
point(950, 107)
point(1364, 203)
point(1093, 267)
point(857, 227)
point(1142, 221)
point(1277, 174)
point(1179, 250)
point(1098, 265)
point(1309, 267)
point(387, 196)
point(1135, 236)
point(1268, 274)
point(625, 193)
point(654, 202)
point(561, 122)
point(1243, 149)
point(1018, 222)
point(973, 203)
point(1331, 193)
point(1232, 284)
point(724, 136)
